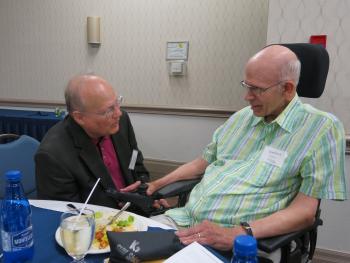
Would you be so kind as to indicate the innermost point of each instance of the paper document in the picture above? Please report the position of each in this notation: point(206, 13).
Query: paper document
point(193, 253)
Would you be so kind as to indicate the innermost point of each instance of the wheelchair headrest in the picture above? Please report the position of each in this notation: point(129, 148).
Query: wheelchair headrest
point(314, 61)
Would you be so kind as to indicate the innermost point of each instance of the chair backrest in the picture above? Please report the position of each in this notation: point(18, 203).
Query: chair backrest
point(314, 61)
point(8, 137)
point(19, 155)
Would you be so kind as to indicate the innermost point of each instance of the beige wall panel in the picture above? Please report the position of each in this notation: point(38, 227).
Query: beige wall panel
point(43, 43)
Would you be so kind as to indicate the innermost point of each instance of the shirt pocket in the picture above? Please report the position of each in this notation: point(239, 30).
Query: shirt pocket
point(270, 176)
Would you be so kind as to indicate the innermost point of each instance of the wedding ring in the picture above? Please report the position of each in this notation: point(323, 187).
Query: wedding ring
point(199, 235)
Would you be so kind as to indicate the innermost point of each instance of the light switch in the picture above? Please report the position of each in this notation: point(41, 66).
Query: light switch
point(177, 67)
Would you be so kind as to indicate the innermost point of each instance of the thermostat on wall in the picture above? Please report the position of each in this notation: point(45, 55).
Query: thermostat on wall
point(177, 67)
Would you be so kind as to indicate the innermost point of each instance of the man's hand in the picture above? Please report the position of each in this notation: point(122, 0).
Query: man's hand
point(131, 188)
point(161, 203)
point(152, 187)
point(150, 190)
point(208, 233)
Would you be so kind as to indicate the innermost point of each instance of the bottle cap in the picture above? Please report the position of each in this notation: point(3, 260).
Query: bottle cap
point(245, 245)
point(13, 175)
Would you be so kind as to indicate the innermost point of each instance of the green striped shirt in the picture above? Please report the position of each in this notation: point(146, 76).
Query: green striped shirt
point(239, 186)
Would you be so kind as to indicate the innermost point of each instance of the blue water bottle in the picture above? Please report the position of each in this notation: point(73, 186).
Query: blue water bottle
point(245, 250)
point(16, 223)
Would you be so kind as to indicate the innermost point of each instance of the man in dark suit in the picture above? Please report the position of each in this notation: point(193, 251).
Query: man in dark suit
point(95, 140)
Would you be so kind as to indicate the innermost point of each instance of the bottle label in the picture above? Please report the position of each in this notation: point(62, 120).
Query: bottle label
point(23, 239)
point(18, 240)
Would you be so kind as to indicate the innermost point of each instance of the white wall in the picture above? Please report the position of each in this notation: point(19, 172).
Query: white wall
point(173, 138)
point(335, 232)
point(43, 44)
point(295, 21)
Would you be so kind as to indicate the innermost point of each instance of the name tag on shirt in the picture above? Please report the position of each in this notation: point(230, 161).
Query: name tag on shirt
point(133, 159)
point(273, 156)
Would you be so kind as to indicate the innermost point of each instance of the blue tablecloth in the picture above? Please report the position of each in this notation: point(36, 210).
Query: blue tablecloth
point(31, 123)
point(45, 223)
point(46, 249)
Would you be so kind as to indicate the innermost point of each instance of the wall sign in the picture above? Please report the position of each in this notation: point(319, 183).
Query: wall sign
point(177, 50)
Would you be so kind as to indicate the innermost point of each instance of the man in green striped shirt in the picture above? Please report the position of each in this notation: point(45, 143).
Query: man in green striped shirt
point(267, 165)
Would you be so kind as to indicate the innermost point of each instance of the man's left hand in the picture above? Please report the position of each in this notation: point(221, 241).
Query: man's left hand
point(208, 233)
point(131, 188)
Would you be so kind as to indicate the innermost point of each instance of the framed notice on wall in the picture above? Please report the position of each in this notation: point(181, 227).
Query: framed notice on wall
point(177, 50)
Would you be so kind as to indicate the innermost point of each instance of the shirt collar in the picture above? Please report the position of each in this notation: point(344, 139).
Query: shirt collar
point(283, 120)
point(97, 141)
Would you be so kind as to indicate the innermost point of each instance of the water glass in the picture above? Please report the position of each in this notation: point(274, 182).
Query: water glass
point(77, 233)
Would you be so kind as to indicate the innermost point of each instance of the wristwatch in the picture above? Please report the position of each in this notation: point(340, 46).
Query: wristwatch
point(247, 228)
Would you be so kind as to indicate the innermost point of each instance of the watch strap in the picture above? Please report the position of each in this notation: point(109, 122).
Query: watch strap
point(247, 228)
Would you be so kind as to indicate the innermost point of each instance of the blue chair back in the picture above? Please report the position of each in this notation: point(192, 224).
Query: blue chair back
point(19, 155)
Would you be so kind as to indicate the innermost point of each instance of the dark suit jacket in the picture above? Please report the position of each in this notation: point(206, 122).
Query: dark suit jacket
point(68, 163)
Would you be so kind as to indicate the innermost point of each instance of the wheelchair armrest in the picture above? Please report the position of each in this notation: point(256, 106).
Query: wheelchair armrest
point(177, 188)
point(143, 204)
point(272, 243)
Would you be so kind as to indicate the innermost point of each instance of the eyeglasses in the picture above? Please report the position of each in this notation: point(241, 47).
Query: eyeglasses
point(257, 90)
point(110, 111)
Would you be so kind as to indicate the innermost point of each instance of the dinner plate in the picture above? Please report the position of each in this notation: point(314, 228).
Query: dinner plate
point(139, 226)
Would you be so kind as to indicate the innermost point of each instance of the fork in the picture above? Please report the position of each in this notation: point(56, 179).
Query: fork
point(73, 208)
point(118, 213)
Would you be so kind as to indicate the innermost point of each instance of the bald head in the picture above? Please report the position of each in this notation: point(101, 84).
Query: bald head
point(271, 78)
point(274, 63)
point(84, 91)
point(92, 103)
